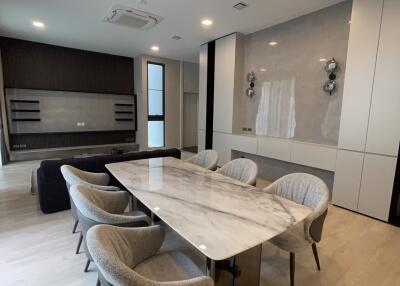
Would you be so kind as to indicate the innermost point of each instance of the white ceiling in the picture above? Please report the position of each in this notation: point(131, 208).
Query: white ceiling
point(79, 23)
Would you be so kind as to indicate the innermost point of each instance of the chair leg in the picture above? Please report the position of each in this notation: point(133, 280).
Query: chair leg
point(292, 267)
point(315, 251)
point(87, 265)
point(98, 283)
point(79, 243)
point(75, 225)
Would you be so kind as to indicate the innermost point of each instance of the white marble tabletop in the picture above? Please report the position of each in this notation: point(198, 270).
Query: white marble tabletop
point(220, 216)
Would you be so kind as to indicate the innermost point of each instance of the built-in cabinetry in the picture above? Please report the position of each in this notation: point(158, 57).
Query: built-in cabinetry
point(383, 125)
point(370, 129)
point(302, 153)
point(227, 83)
point(365, 159)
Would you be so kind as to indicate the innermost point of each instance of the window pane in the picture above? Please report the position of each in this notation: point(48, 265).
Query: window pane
point(155, 77)
point(155, 102)
point(155, 134)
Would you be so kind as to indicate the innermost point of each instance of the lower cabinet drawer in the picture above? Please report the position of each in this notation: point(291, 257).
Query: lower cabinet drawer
point(377, 186)
point(346, 187)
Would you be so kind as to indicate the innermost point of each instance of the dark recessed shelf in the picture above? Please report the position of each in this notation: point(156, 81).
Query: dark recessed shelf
point(26, 119)
point(123, 104)
point(124, 119)
point(23, 101)
point(124, 112)
point(25, 110)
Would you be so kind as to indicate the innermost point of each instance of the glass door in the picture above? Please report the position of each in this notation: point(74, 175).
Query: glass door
point(155, 105)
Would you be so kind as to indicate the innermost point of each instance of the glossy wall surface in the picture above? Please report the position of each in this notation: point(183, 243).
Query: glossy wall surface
point(289, 100)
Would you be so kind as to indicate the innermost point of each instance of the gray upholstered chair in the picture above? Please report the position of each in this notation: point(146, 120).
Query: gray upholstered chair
point(242, 169)
point(310, 191)
point(130, 256)
point(102, 207)
point(207, 159)
point(74, 176)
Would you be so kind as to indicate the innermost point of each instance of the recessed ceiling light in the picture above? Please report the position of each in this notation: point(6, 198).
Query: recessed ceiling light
point(263, 70)
point(155, 48)
point(322, 60)
point(273, 43)
point(38, 24)
point(207, 22)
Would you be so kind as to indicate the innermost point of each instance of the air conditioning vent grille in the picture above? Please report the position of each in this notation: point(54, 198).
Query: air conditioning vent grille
point(132, 18)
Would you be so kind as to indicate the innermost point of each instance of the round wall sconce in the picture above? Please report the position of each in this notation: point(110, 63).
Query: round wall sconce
point(330, 67)
point(329, 86)
point(251, 78)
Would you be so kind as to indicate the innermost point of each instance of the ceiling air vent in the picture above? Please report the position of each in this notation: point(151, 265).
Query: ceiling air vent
point(133, 18)
point(240, 5)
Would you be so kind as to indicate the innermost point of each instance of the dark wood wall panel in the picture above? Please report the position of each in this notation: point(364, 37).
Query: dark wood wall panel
point(32, 65)
point(70, 139)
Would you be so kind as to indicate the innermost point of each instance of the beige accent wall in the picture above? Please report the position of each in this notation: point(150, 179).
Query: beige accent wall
point(301, 43)
point(172, 100)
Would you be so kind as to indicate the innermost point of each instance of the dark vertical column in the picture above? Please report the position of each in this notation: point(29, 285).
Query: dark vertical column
point(3, 150)
point(394, 214)
point(210, 94)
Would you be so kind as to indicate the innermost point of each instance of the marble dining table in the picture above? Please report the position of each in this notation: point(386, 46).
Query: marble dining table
point(223, 218)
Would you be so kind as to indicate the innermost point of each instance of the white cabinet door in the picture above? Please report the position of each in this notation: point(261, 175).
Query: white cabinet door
point(247, 144)
point(360, 67)
point(384, 127)
point(314, 155)
point(225, 53)
point(377, 186)
point(202, 113)
point(346, 187)
point(274, 148)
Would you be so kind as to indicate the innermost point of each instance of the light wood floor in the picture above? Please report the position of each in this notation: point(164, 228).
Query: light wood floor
point(38, 249)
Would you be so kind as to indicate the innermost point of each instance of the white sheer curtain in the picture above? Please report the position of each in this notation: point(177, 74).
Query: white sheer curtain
point(276, 114)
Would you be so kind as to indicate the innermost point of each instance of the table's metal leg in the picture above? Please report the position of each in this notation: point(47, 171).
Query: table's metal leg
point(219, 272)
point(133, 204)
point(211, 271)
point(249, 263)
point(241, 270)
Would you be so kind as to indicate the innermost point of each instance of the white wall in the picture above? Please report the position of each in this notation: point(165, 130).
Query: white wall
point(190, 77)
point(190, 129)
